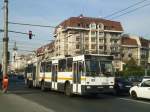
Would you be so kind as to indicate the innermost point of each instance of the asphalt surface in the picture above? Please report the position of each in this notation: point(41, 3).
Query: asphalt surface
point(58, 102)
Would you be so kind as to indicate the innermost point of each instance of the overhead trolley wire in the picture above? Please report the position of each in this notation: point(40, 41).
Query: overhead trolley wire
point(26, 24)
point(122, 10)
point(133, 10)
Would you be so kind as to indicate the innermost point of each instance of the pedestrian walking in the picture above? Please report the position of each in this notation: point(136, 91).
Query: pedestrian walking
point(5, 84)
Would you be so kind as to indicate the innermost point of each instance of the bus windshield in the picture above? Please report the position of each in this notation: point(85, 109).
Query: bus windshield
point(98, 68)
point(106, 68)
point(92, 68)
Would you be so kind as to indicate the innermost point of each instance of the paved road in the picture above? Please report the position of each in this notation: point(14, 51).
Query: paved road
point(57, 102)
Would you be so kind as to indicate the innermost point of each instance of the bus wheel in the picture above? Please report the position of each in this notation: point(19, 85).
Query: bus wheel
point(29, 84)
point(43, 86)
point(68, 90)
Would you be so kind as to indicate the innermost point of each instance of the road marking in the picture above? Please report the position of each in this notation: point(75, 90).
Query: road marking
point(137, 101)
point(21, 102)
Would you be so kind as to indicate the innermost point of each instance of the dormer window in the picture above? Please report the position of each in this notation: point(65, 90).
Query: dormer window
point(87, 25)
point(101, 26)
point(93, 26)
point(79, 25)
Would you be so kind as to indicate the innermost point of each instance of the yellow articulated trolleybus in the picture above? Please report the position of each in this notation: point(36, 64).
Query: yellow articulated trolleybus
point(83, 74)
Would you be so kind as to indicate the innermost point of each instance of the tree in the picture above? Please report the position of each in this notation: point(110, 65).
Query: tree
point(131, 68)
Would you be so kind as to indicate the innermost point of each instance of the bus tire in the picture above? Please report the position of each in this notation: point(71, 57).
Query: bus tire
point(68, 91)
point(29, 84)
point(43, 86)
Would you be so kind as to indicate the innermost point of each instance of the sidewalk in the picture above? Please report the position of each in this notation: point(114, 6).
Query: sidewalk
point(13, 103)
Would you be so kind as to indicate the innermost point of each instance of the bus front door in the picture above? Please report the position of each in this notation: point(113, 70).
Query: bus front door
point(34, 75)
point(77, 77)
point(54, 76)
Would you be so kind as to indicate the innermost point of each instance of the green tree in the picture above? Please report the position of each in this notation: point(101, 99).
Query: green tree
point(131, 68)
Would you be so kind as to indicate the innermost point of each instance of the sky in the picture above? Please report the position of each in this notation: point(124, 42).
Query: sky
point(52, 12)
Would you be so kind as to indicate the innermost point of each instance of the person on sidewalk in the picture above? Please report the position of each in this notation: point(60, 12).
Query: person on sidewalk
point(5, 84)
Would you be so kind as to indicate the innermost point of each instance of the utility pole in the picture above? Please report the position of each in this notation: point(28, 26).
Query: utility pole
point(5, 39)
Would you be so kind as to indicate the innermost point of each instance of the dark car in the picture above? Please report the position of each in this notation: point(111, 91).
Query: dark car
point(135, 79)
point(122, 86)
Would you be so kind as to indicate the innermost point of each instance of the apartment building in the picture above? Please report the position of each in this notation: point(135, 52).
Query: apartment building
point(46, 51)
point(87, 35)
point(135, 47)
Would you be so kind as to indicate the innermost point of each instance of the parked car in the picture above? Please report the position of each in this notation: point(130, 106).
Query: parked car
point(141, 90)
point(146, 78)
point(135, 79)
point(122, 86)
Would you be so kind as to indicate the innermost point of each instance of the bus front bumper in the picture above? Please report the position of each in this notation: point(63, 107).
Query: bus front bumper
point(96, 89)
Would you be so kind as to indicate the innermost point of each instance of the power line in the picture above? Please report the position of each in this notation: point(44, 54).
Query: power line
point(133, 5)
point(26, 24)
point(23, 50)
point(131, 11)
point(1, 30)
point(21, 43)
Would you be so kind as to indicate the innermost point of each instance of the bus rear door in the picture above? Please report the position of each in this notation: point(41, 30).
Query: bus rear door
point(54, 76)
point(77, 73)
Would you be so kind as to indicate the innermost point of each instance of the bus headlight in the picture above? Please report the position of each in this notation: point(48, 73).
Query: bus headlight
point(88, 87)
point(111, 87)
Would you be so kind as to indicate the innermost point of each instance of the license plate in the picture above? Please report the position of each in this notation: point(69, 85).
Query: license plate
point(128, 86)
point(104, 83)
point(92, 80)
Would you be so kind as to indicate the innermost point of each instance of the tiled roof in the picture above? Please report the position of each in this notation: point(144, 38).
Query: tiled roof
point(85, 21)
point(144, 42)
point(128, 41)
point(49, 47)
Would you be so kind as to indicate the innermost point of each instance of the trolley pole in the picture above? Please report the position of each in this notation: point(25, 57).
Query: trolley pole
point(5, 39)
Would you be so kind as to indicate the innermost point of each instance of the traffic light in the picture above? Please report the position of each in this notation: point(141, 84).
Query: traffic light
point(30, 35)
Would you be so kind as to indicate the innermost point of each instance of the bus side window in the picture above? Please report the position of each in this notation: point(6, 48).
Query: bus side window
point(81, 68)
point(69, 64)
point(62, 65)
point(42, 68)
point(48, 66)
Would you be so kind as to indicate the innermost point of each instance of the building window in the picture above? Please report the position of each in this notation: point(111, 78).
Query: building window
point(93, 39)
point(87, 39)
point(100, 47)
point(101, 33)
point(77, 46)
point(87, 25)
point(101, 40)
point(78, 52)
point(93, 33)
point(77, 38)
point(79, 24)
point(93, 46)
point(86, 33)
point(93, 26)
point(86, 46)
point(115, 41)
point(107, 27)
point(130, 55)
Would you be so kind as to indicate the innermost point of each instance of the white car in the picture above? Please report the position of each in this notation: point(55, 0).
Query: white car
point(146, 78)
point(142, 90)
